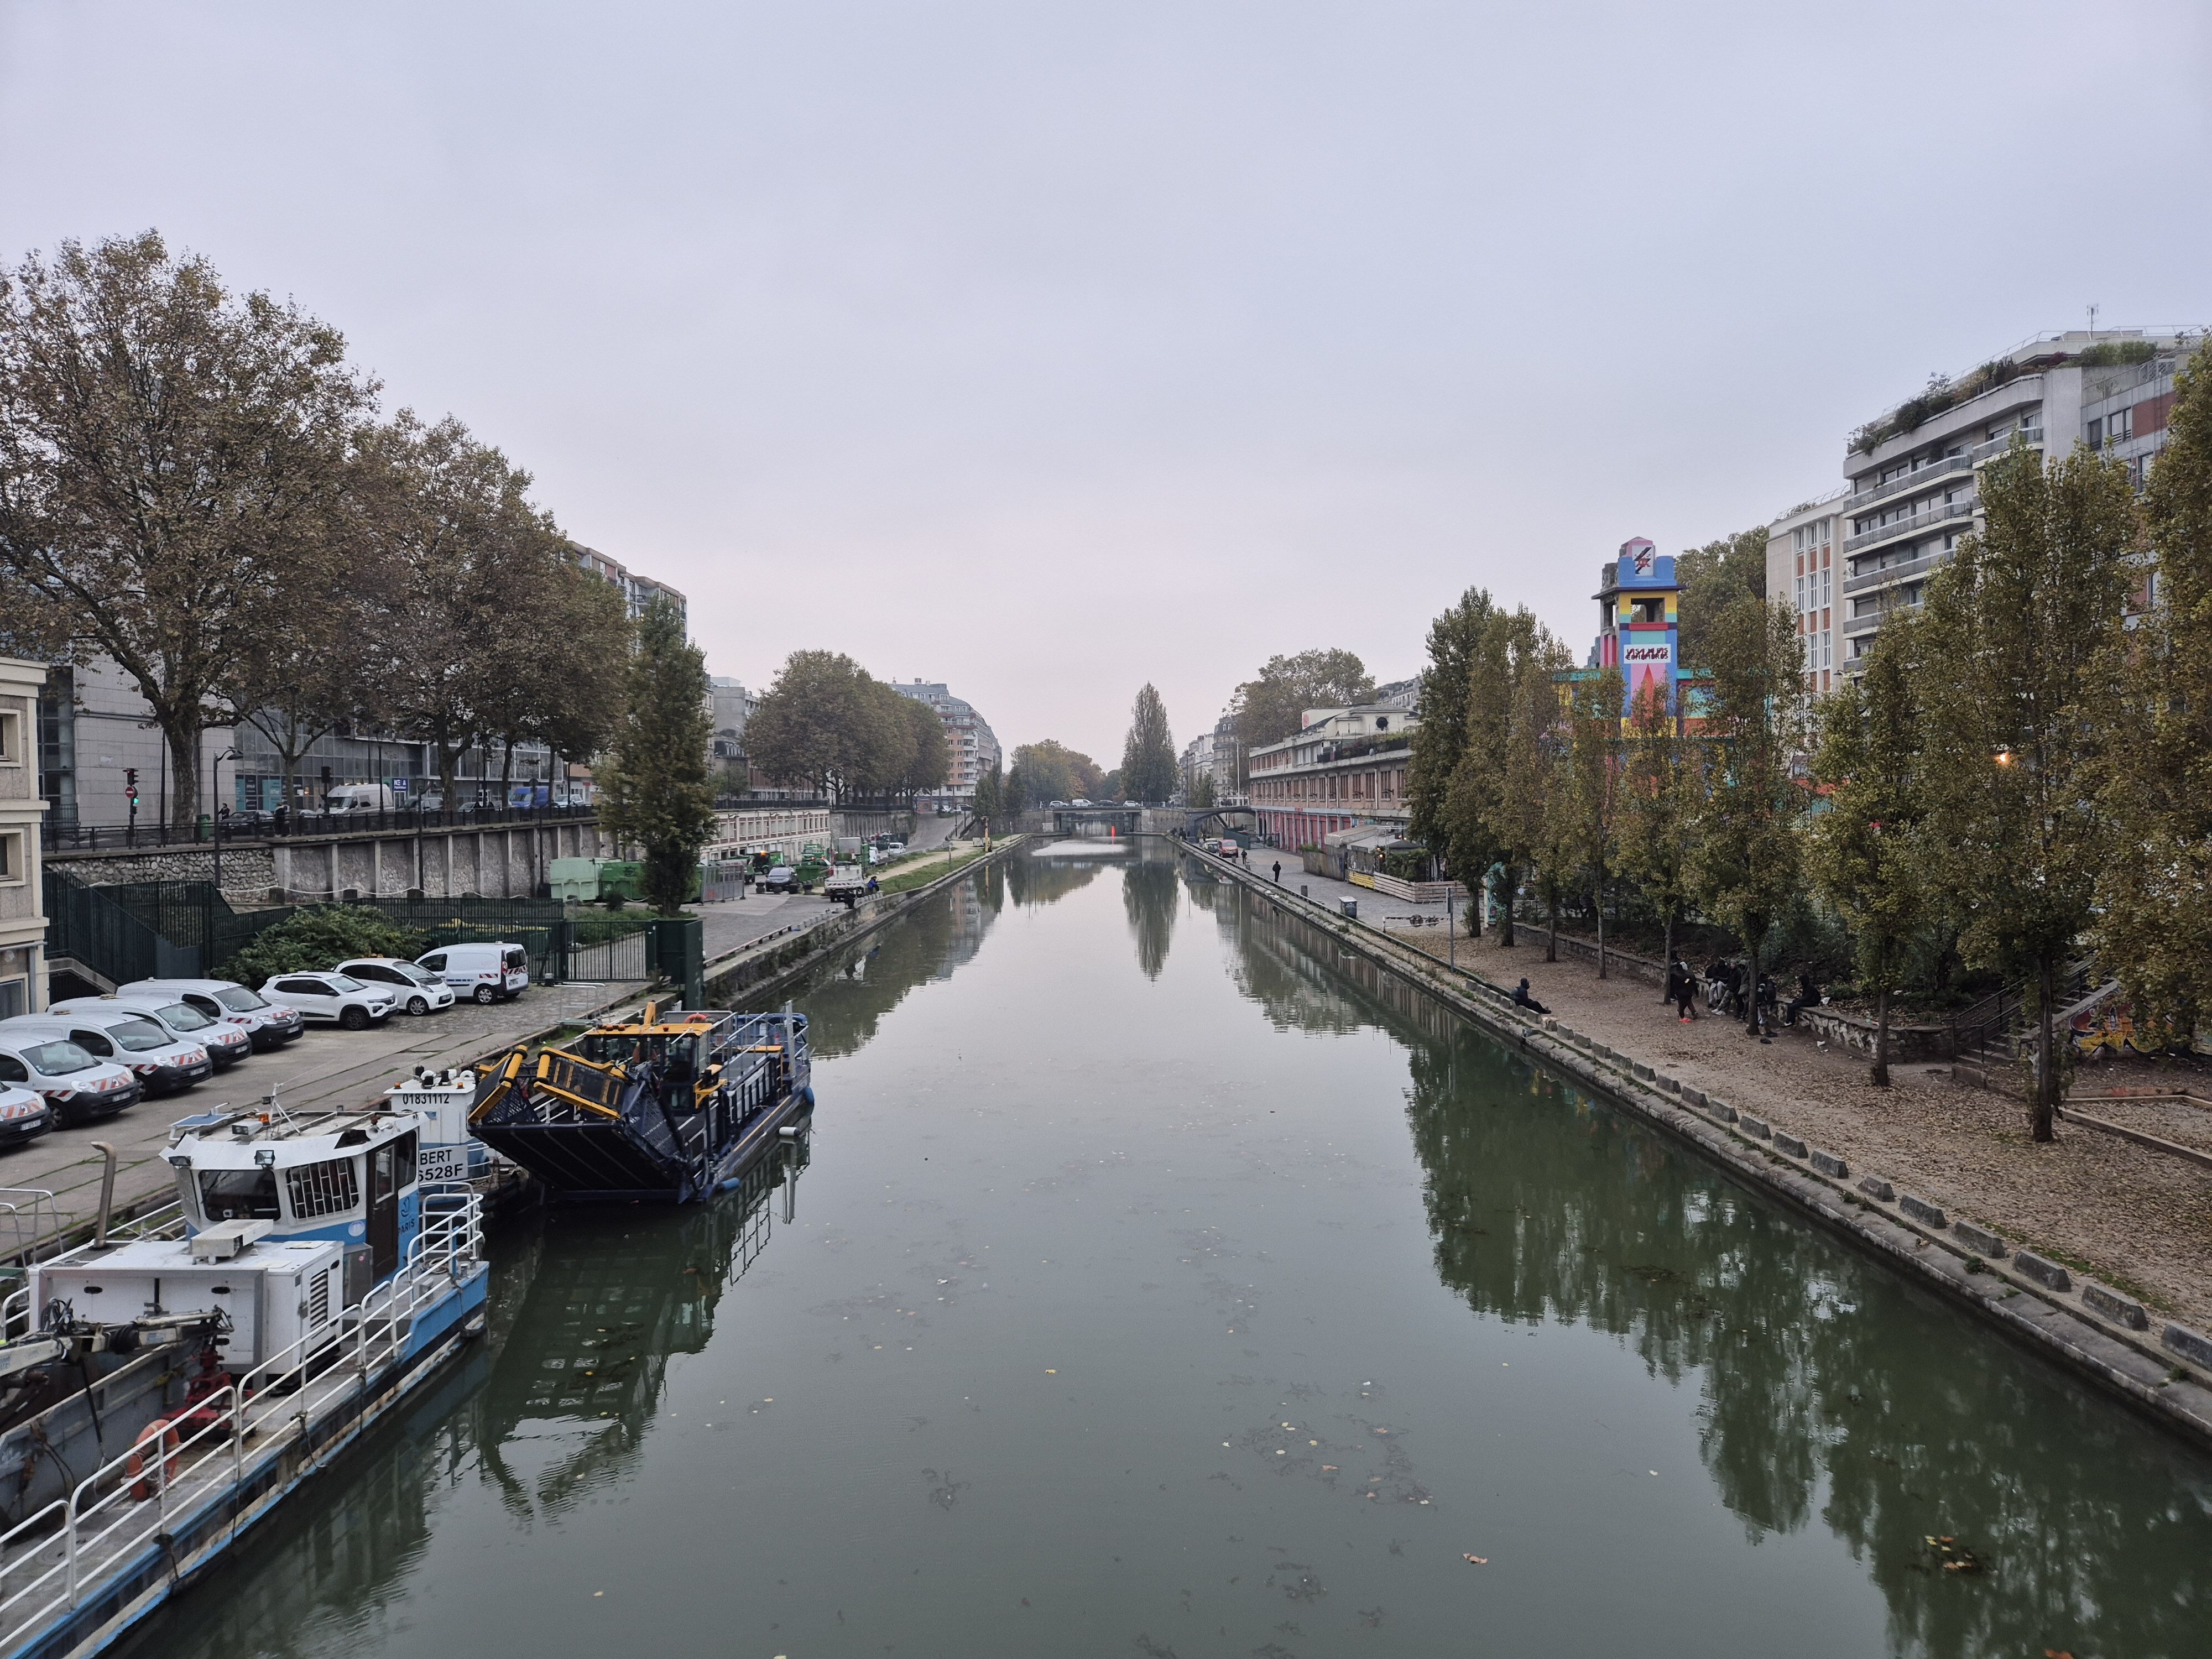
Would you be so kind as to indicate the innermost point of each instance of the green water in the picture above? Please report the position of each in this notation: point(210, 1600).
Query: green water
point(1162, 1284)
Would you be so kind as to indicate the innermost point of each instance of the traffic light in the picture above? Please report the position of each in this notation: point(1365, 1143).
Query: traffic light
point(131, 786)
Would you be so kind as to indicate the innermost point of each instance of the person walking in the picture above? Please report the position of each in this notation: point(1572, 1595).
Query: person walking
point(1682, 987)
point(1279, 872)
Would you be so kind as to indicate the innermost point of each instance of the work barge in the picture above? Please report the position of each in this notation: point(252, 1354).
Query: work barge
point(168, 1384)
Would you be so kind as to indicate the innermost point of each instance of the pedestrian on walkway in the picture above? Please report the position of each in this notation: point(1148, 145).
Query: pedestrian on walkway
point(1279, 872)
point(1682, 989)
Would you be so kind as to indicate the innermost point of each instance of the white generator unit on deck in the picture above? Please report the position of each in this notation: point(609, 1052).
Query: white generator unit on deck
point(275, 1293)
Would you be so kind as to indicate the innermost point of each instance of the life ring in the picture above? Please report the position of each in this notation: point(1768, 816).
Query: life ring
point(164, 1430)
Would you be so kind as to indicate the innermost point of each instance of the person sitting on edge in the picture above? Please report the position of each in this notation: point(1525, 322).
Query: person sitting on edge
point(1523, 1000)
point(1809, 996)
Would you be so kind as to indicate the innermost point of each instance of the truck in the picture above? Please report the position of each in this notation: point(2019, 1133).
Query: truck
point(847, 884)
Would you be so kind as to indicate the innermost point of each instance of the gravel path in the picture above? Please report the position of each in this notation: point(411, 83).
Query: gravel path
point(2137, 1220)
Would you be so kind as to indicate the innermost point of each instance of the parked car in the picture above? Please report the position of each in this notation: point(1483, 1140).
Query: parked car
point(225, 1044)
point(489, 973)
point(76, 1088)
point(416, 989)
point(156, 1057)
point(332, 998)
point(779, 880)
point(267, 1025)
point(23, 1115)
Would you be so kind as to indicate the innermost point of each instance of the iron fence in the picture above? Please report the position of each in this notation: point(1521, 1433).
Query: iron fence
point(237, 828)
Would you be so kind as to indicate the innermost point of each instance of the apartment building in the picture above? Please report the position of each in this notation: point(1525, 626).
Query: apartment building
point(1197, 761)
point(638, 591)
point(974, 747)
point(22, 914)
point(1345, 769)
point(1912, 476)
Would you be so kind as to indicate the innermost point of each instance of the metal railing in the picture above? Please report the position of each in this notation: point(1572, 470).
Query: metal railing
point(237, 829)
point(71, 1550)
point(1895, 573)
point(1996, 446)
point(1919, 480)
point(1903, 527)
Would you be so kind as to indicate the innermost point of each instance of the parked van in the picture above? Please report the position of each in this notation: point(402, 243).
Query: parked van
point(23, 1114)
point(489, 973)
point(225, 1044)
point(266, 1024)
point(76, 1088)
point(351, 798)
point(155, 1056)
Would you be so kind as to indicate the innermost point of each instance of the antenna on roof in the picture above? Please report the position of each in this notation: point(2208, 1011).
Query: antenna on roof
point(2092, 317)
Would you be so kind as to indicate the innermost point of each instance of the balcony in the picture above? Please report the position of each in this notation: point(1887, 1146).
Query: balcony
point(1896, 573)
point(1918, 524)
point(1912, 481)
point(1996, 446)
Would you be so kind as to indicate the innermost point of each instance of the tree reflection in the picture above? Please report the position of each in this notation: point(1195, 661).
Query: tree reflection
point(1151, 896)
point(1831, 1388)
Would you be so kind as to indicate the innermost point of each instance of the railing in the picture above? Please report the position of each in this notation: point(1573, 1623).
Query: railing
point(1894, 573)
point(68, 1552)
point(1912, 481)
point(1996, 446)
point(1901, 527)
point(238, 828)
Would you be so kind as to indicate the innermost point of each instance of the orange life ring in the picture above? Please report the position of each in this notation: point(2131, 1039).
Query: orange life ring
point(164, 1430)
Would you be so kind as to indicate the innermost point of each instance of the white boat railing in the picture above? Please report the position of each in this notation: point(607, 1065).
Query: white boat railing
point(67, 1552)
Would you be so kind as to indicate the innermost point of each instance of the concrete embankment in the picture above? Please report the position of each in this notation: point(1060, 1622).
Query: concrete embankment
point(2161, 1368)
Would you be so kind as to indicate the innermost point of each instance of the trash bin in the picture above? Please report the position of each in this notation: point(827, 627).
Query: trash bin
point(1351, 909)
point(1304, 891)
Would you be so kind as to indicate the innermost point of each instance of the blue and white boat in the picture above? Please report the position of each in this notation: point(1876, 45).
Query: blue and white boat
point(164, 1388)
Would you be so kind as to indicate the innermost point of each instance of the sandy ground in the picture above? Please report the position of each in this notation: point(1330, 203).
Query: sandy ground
point(2137, 1220)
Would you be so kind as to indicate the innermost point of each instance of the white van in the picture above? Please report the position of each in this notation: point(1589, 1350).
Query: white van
point(163, 1063)
point(266, 1024)
point(351, 798)
point(225, 1044)
point(77, 1087)
point(489, 973)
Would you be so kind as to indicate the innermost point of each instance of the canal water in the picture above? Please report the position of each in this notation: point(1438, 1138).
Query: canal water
point(1162, 1282)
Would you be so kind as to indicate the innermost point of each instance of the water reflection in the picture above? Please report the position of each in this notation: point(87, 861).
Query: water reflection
point(935, 937)
point(1041, 880)
point(1834, 1393)
point(1151, 896)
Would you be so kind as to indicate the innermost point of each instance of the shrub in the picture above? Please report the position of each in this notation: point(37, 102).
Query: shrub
point(317, 936)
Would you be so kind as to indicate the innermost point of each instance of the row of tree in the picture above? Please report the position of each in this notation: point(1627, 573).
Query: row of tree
point(2020, 773)
point(829, 724)
point(197, 484)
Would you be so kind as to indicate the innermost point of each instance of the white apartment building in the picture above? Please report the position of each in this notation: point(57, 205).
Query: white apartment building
point(1913, 476)
point(1197, 760)
point(22, 909)
point(974, 747)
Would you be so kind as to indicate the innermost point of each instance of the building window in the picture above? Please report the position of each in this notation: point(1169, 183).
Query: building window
point(11, 856)
point(11, 738)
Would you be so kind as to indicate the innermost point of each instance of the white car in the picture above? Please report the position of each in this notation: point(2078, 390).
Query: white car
point(76, 1087)
point(228, 1003)
point(23, 1115)
point(163, 1063)
point(332, 998)
point(417, 990)
point(225, 1044)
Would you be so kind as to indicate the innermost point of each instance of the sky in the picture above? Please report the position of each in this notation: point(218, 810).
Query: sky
point(1049, 349)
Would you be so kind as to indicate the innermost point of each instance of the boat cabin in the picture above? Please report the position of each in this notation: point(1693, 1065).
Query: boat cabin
point(350, 1176)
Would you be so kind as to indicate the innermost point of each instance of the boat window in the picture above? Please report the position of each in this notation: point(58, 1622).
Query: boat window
point(331, 1187)
point(381, 1169)
point(239, 1194)
point(404, 1152)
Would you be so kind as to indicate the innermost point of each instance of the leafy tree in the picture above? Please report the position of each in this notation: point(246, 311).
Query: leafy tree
point(2020, 641)
point(1497, 806)
point(1593, 789)
point(1747, 870)
point(1016, 791)
point(1659, 807)
point(1051, 771)
point(1714, 577)
point(1270, 707)
point(1110, 786)
point(319, 937)
point(1200, 792)
point(825, 722)
point(991, 794)
point(1454, 639)
point(2153, 929)
point(170, 460)
point(1869, 857)
point(1148, 754)
point(656, 795)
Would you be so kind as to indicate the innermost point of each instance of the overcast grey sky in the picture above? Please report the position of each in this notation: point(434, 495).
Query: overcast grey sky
point(1047, 349)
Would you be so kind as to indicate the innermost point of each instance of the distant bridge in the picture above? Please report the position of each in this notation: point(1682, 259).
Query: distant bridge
point(1096, 820)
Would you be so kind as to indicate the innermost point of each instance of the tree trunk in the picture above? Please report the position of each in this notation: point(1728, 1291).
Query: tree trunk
point(1552, 946)
point(180, 732)
point(1750, 997)
point(1505, 907)
point(1879, 1071)
point(2047, 1072)
point(1666, 951)
point(1600, 930)
point(506, 770)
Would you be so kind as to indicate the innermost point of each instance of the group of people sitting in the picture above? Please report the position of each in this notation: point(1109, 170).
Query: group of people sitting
point(1723, 983)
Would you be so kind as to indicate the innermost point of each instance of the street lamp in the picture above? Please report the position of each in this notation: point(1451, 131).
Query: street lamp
point(214, 882)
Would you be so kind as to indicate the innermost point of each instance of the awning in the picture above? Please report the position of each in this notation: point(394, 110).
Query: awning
point(1363, 834)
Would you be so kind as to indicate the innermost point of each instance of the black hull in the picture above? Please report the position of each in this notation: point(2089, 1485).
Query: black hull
point(608, 1161)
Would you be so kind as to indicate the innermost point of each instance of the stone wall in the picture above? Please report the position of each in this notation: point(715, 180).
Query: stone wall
point(1907, 1043)
point(249, 873)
